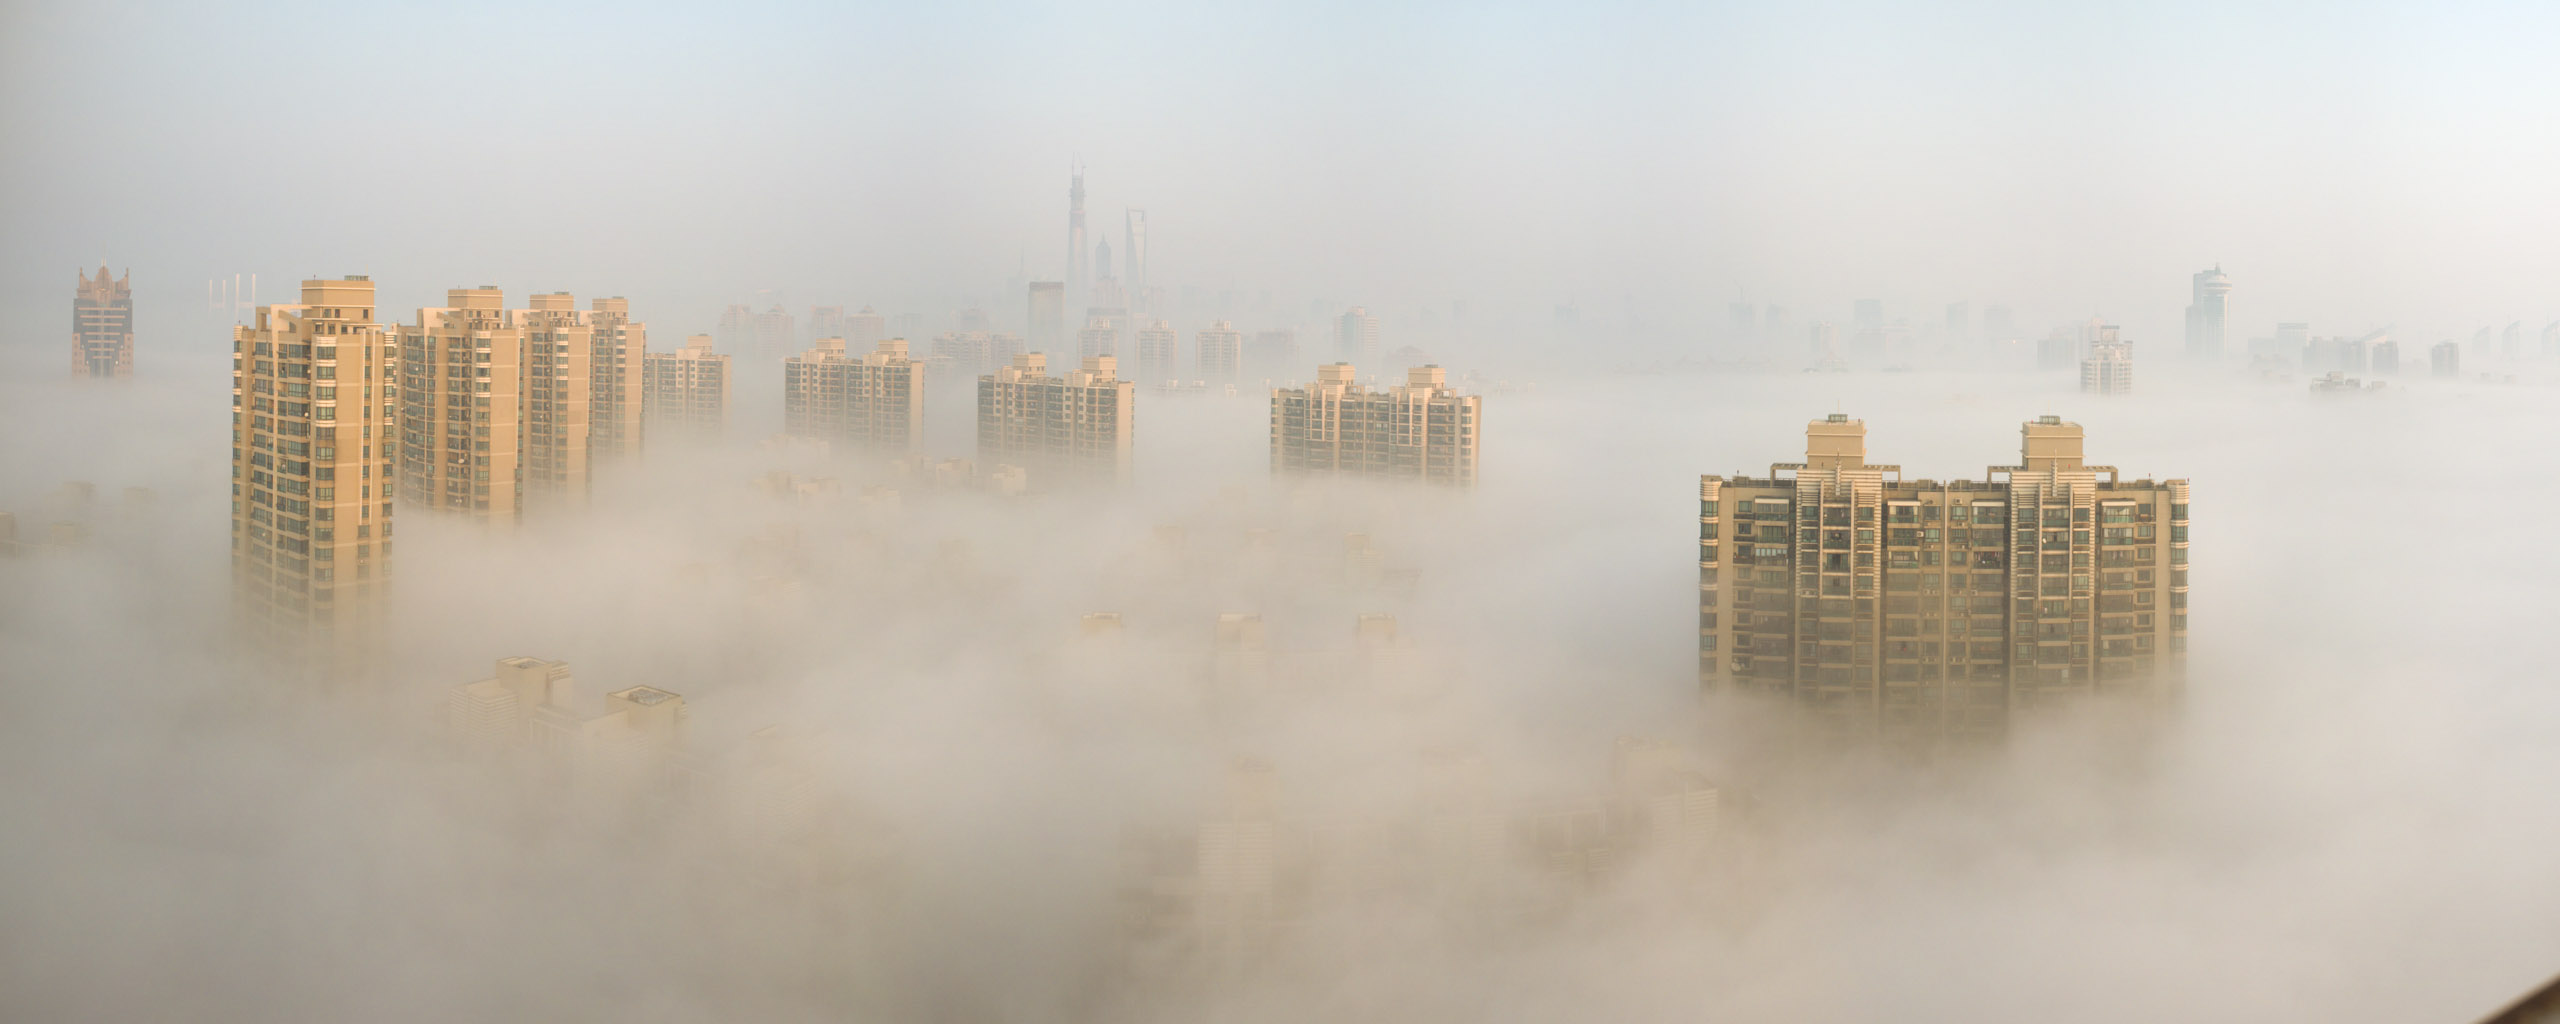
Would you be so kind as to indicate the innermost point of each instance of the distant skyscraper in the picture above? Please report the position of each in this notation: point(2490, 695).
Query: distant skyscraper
point(826, 322)
point(1920, 610)
point(1221, 353)
point(2445, 359)
point(876, 401)
point(1046, 331)
point(1159, 354)
point(311, 467)
point(2207, 313)
point(1078, 426)
point(1959, 320)
point(2384, 356)
point(1998, 325)
point(737, 330)
point(1745, 319)
point(686, 391)
point(1822, 343)
point(1135, 279)
point(2551, 339)
point(774, 332)
point(2511, 344)
point(2106, 365)
point(863, 330)
point(102, 326)
point(1356, 336)
point(1079, 276)
point(1271, 354)
point(1421, 430)
point(1100, 337)
point(2480, 342)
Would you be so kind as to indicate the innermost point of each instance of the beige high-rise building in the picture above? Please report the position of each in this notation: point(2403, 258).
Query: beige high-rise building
point(1920, 609)
point(686, 390)
point(1159, 359)
point(875, 401)
point(102, 326)
point(2106, 368)
point(1078, 425)
point(1421, 430)
point(559, 349)
point(1221, 354)
point(615, 400)
point(311, 488)
point(1100, 337)
point(461, 402)
point(533, 702)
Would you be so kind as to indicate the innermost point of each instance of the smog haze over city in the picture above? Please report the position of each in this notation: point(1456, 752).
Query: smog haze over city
point(1278, 512)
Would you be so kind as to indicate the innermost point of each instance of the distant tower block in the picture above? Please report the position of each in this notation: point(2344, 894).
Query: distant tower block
point(102, 326)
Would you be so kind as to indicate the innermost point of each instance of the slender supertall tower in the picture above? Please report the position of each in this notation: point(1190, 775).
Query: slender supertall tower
point(2205, 314)
point(1077, 275)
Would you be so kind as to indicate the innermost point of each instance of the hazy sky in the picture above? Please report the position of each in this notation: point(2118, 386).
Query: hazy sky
point(2352, 164)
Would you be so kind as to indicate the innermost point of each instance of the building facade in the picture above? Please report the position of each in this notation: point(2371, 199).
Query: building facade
point(1422, 430)
point(1221, 354)
point(1159, 354)
point(875, 401)
point(686, 391)
point(615, 367)
point(2207, 313)
point(559, 360)
point(102, 326)
point(1077, 426)
point(311, 477)
point(2106, 366)
point(1922, 610)
point(461, 390)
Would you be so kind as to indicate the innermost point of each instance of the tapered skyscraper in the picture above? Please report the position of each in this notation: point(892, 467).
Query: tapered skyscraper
point(2205, 314)
point(1133, 256)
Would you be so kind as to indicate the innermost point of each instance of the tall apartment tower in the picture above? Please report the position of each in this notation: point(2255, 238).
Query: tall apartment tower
point(1356, 336)
point(737, 330)
point(775, 332)
point(875, 401)
point(2445, 360)
point(461, 402)
point(1100, 337)
point(826, 322)
point(2207, 312)
point(1159, 353)
point(686, 391)
point(1076, 426)
point(311, 486)
point(1921, 610)
point(1046, 331)
point(102, 326)
point(863, 329)
point(1419, 431)
point(559, 353)
point(2106, 367)
point(615, 366)
point(1221, 353)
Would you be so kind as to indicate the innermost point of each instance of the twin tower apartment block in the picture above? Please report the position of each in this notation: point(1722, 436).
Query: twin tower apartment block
point(1925, 609)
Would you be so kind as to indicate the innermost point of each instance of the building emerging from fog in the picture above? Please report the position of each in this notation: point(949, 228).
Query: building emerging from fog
point(102, 326)
point(1159, 358)
point(1920, 609)
point(636, 734)
point(615, 367)
point(1047, 328)
point(876, 401)
point(1079, 425)
point(2106, 368)
point(2206, 313)
point(311, 402)
point(1422, 430)
point(1221, 353)
point(1355, 336)
point(2445, 360)
point(687, 390)
point(501, 409)
point(461, 379)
